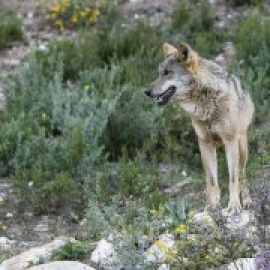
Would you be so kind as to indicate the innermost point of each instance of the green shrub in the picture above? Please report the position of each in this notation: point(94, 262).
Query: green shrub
point(71, 251)
point(10, 29)
point(118, 43)
point(255, 71)
point(246, 34)
point(51, 138)
point(195, 20)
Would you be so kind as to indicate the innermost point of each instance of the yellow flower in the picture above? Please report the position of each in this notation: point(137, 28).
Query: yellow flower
point(207, 258)
point(74, 18)
point(171, 254)
point(56, 8)
point(206, 218)
point(161, 245)
point(59, 23)
point(1, 200)
point(83, 13)
point(153, 211)
point(191, 213)
point(96, 13)
point(190, 220)
point(181, 228)
point(65, 3)
point(4, 227)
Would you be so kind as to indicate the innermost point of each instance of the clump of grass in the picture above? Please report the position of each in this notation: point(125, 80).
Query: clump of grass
point(71, 251)
point(10, 29)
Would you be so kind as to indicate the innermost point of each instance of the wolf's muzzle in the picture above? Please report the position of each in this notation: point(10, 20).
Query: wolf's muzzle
point(163, 98)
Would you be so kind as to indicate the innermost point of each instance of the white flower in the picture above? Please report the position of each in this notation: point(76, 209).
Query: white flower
point(30, 184)
point(184, 173)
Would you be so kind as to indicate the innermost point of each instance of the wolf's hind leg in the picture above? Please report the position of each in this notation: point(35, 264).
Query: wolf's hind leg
point(209, 160)
point(243, 156)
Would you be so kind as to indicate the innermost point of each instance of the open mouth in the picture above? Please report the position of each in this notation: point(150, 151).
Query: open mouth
point(163, 98)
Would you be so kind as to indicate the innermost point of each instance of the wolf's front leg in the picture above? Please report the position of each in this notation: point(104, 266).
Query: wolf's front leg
point(232, 155)
point(209, 160)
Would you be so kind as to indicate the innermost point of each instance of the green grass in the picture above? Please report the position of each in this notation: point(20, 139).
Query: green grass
point(10, 29)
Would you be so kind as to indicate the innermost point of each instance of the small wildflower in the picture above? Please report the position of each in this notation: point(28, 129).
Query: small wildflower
point(30, 184)
point(161, 245)
point(83, 14)
point(3, 227)
point(171, 254)
point(190, 220)
point(1, 200)
point(207, 258)
point(191, 213)
point(153, 211)
point(74, 18)
point(59, 23)
point(206, 218)
point(181, 228)
point(56, 8)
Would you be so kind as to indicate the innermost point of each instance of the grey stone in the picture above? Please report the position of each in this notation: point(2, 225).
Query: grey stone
point(62, 265)
point(33, 255)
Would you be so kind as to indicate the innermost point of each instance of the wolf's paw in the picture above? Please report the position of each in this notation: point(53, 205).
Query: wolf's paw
point(234, 207)
point(247, 202)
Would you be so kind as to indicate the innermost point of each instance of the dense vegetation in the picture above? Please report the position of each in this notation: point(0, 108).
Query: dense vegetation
point(78, 133)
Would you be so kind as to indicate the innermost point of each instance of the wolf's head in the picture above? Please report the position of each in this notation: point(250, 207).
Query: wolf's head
point(176, 73)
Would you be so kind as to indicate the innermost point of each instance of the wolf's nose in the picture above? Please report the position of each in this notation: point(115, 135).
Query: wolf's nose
point(148, 92)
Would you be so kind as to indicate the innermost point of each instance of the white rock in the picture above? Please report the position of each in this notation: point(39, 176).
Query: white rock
point(6, 243)
point(203, 218)
point(156, 253)
point(62, 265)
point(240, 221)
point(164, 267)
point(245, 264)
point(243, 220)
point(9, 215)
point(104, 253)
point(33, 255)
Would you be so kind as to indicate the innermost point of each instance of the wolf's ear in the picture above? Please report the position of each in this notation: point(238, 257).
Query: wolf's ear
point(188, 58)
point(169, 50)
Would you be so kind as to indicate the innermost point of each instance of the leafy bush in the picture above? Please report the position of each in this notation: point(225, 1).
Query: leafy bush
point(71, 251)
point(53, 134)
point(118, 43)
point(195, 20)
point(246, 34)
point(10, 29)
point(255, 70)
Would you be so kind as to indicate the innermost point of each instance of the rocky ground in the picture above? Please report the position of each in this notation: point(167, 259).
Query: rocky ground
point(26, 230)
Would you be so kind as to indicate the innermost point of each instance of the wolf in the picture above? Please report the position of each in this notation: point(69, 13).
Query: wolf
point(220, 111)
